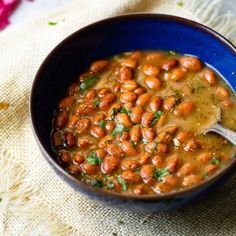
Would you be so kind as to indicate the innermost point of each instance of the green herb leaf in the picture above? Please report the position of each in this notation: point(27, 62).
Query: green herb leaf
point(124, 110)
point(88, 83)
point(110, 185)
point(119, 129)
point(215, 161)
point(96, 102)
point(102, 124)
point(160, 173)
point(122, 182)
point(157, 116)
point(93, 159)
point(96, 183)
point(154, 148)
point(114, 112)
point(52, 23)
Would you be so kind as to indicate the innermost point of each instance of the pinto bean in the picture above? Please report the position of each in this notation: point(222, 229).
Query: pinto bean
point(143, 99)
point(153, 82)
point(114, 150)
point(65, 156)
point(191, 146)
point(103, 91)
point(131, 177)
point(101, 153)
point(169, 64)
point(209, 76)
point(61, 119)
point(123, 118)
point(144, 158)
point(136, 55)
point(89, 168)
point(136, 114)
point(139, 91)
point(83, 125)
point(91, 94)
point(191, 63)
point(178, 74)
point(162, 188)
point(151, 70)
point(161, 149)
point(105, 141)
point(147, 172)
point(67, 102)
point(97, 131)
point(171, 180)
point(222, 93)
point(129, 63)
point(128, 148)
point(172, 163)
point(170, 129)
point(164, 137)
point(85, 108)
point(98, 118)
point(204, 157)
point(148, 134)
point(78, 158)
point(169, 103)
point(99, 66)
point(83, 143)
point(187, 169)
point(69, 139)
point(184, 136)
point(191, 180)
point(155, 103)
point(109, 164)
point(185, 109)
point(147, 119)
point(57, 138)
point(135, 133)
point(73, 121)
point(128, 97)
point(140, 189)
point(106, 101)
point(129, 164)
point(227, 104)
point(211, 169)
point(156, 56)
point(157, 161)
point(116, 87)
point(123, 136)
point(115, 106)
point(129, 85)
point(162, 120)
point(110, 125)
point(125, 73)
point(74, 169)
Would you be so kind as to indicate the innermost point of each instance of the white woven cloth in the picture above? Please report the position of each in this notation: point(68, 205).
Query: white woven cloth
point(34, 201)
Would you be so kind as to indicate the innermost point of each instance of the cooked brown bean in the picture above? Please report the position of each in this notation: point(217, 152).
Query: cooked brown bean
point(128, 97)
point(169, 103)
point(169, 64)
point(109, 164)
point(83, 126)
point(128, 148)
point(140, 189)
point(107, 101)
point(164, 137)
point(67, 102)
point(91, 94)
point(103, 91)
point(171, 180)
point(129, 85)
point(155, 103)
point(151, 70)
point(74, 169)
point(162, 120)
point(191, 63)
point(178, 74)
point(222, 93)
point(69, 139)
point(136, 115)
point(209, 76)
point(73, 121)
point(211, 169)
point(184, 109)
point(172, 164)
point(125, 73)
point(129, 164)
point(97, 131)
point(128, 106)
point(83, 143)
point(135, 133)
point(170, 129)
point(157, 161)
point(156, 56)
point(131, 177)
point(159, 149)
point(129, 63)
point(124, 119)
point(144, 158)
point(204, 157)
point(139, 91)
point(116, 88)
point(147, 118)
point(99, 66)
point(162, 188)
point(184, 136)
point(105, 141)
point(65, 156)
point(101, 153)
point(143, 99)
point(110, 125)
point(192, 180)
point(114, 150)
point(136, 55)
point(89, 168)
point(98, 118)
point(78, 158)
point(123, 136)
point(147, 172)
point(191, 146)
point(115, 106)
point(85, 108)
point(227, 104)
point(57, 139)
point(187, 169)
point(61, 119)
point(153, 82)
point(148, 134)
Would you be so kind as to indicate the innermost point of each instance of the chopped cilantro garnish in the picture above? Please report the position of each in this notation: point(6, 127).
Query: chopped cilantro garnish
point(110, 185)
point(122, 182)
point(88, 83)
point(157, 116)
point(215, 160)
point(124, 110)
point(93, 159)
point(52, 23)
point(102, 124)
point(96, 102)
point(160, 173)
point(96, 183)
point(119, 129)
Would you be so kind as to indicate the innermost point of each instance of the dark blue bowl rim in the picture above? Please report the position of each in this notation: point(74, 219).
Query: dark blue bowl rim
point(124, 196)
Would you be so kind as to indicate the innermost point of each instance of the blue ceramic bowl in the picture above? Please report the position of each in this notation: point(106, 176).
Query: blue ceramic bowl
point(106, 38)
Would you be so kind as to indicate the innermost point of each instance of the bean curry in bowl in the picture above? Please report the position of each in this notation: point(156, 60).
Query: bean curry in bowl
point(133, 123)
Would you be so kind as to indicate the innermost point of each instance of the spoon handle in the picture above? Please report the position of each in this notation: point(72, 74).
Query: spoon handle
point(226, 133)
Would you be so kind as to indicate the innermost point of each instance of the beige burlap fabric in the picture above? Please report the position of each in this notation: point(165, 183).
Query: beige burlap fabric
point(33, 200)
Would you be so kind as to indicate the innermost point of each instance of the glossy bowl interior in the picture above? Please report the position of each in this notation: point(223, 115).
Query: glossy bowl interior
point(109, 37)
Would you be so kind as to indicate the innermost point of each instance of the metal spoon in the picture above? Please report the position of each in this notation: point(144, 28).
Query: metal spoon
point(219, 129)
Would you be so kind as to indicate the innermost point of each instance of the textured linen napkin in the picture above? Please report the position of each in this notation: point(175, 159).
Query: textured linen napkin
point(33, 200)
